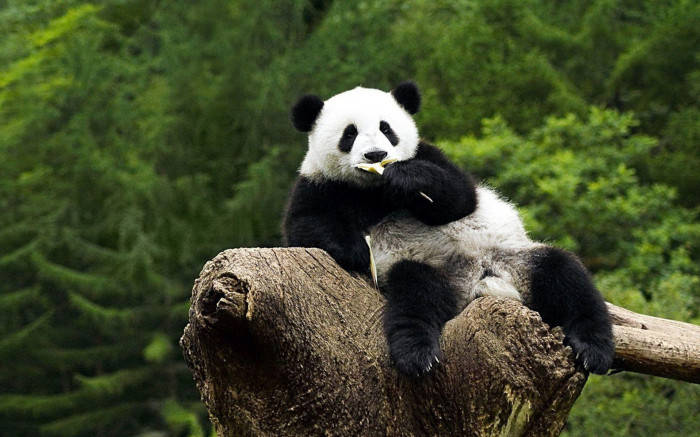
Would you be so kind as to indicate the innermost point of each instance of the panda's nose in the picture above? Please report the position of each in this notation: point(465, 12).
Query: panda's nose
point(375, 156)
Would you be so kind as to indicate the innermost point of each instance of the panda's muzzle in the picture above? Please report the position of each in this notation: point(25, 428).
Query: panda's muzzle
point(375, 156)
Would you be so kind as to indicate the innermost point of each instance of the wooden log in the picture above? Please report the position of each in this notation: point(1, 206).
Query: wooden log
point(285, 342)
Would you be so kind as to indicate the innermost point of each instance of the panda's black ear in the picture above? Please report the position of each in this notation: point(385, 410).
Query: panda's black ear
point(408, 96)
point(305, 111)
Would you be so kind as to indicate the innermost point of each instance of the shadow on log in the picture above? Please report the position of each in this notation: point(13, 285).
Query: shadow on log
point(285, 342)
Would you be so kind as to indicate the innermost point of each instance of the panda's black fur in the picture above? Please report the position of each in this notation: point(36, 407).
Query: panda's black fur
point(333, 209)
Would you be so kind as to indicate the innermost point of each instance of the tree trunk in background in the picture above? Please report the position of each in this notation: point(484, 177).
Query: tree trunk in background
point(285, 342)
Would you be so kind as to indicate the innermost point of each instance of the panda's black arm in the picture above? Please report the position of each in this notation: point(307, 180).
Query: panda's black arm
point(311, 222)
point(452, 191)
point(345, 245)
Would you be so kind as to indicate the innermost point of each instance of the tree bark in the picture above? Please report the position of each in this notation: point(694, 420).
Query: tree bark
point(285, 342)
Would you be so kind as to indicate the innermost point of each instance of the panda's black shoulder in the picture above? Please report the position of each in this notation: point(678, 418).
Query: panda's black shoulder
point(309, 197)
point(348, 202)
point(305, 202)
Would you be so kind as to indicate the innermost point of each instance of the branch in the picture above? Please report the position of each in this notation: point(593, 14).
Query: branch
point(285, 342)
point(655, 346)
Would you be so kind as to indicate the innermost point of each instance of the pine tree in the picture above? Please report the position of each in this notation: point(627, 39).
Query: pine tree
point(89, 344)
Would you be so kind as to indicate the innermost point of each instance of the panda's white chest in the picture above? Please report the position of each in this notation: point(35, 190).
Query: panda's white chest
point(493, 228)
point(494, 224)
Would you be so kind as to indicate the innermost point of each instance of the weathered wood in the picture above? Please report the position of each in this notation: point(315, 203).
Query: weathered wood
point(656, 346)
point(285, 342)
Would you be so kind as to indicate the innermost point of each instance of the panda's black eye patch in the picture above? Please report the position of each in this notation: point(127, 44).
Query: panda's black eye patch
point(348, 138)
point(388, 132)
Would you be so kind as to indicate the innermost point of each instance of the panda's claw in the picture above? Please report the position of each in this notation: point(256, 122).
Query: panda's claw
point(595, 356)
point(417, 360)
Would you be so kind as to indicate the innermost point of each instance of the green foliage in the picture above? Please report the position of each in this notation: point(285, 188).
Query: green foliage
point(635, 405)
point(159, 349)
point(525, 60)
point(181, 419)
point(139, 138)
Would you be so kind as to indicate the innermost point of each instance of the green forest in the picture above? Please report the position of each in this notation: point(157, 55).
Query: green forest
point(140, 138)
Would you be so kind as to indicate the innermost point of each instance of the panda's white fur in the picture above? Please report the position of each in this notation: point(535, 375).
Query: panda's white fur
point(492, 239)
point(323, 160)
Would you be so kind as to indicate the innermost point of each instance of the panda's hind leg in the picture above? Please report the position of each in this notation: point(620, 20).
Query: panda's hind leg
point(420, 300)
point(562, 291)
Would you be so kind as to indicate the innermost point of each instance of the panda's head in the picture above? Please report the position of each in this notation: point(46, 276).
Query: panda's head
point(361, 125)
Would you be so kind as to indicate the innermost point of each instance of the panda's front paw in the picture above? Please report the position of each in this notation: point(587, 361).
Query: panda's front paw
point(595, 356)
point(415, 354)
point(405, 179)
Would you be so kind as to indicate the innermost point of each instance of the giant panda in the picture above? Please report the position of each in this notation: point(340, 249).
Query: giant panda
point(438, 239)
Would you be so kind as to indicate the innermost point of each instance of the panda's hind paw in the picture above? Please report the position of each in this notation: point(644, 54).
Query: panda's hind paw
point(415, 359)
point(416, 363)
point(596, 357)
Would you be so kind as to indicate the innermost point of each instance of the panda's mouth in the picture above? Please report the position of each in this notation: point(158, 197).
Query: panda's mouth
point(375, 167)
point(361, 171)
point(364, 178)
point(367, 176)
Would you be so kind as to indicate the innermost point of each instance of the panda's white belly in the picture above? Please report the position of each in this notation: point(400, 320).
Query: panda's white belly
point(480, 252)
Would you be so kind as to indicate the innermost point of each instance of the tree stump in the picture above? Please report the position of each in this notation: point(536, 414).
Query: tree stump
point(285, 342)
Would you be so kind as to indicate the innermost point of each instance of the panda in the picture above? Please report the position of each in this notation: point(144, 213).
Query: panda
point(438, 239)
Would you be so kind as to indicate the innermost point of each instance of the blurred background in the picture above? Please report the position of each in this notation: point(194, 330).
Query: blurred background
point(140, 138)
